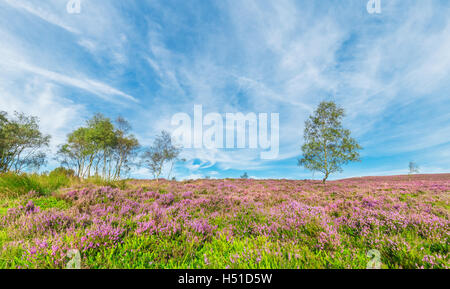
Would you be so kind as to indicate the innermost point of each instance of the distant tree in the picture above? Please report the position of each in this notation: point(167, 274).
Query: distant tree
point(328, 146)
point(413, 168)
point(244, 176)
point(162, 151)
point(22, 144)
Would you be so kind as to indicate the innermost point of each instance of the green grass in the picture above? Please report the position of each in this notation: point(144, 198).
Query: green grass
point(155, 252)
point(6, 204)
point(46, 203)
point(14, 185)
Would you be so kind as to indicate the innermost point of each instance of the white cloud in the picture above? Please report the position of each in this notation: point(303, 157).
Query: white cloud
point(57, 115)
point(15, 62)
point(42, 13)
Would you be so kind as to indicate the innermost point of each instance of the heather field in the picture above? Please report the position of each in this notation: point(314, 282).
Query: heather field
point(230, 224)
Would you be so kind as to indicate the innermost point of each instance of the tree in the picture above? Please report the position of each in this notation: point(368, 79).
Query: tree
point(244, 176)
point(75, 152)
point(161, 152)
point(413, 168)
point(101, 139)
point(3, 144)
point(22, 144)
point(328, 146)
point(125, 149)
point(100, 148)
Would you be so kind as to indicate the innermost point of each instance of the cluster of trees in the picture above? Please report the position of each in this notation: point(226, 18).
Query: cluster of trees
point(108, 149)
point(102, 148)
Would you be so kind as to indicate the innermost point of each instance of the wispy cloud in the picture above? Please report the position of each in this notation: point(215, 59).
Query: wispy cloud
point(100, 89)
point(43, 14)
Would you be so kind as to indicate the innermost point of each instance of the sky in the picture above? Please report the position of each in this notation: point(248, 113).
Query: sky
point(147, 60)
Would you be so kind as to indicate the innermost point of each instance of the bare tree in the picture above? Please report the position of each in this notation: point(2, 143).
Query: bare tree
point(162, 151)
point(413, 168)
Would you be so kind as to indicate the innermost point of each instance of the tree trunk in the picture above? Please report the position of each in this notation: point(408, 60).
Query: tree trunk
point(325, 178)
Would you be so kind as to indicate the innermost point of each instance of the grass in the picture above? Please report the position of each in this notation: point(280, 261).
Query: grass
point(46, 203)
point(16, 185)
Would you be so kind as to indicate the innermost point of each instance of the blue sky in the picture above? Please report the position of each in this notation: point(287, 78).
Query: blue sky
point(147, 60)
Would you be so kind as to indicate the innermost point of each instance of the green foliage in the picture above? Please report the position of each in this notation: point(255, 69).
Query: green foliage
point(62, 171)
point(327, 144)
point(15, 185)
point(21, 143)
point(100, 149)
point(50, 202)
point(53, 182)
point(6, 204)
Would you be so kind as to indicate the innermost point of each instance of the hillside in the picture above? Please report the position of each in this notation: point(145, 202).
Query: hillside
point(232, 224)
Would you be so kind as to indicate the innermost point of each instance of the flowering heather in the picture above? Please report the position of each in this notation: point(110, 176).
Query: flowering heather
point(233, 224)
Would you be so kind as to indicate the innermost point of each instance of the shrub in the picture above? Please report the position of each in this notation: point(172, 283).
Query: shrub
point(62, 171)
point(14, 185)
